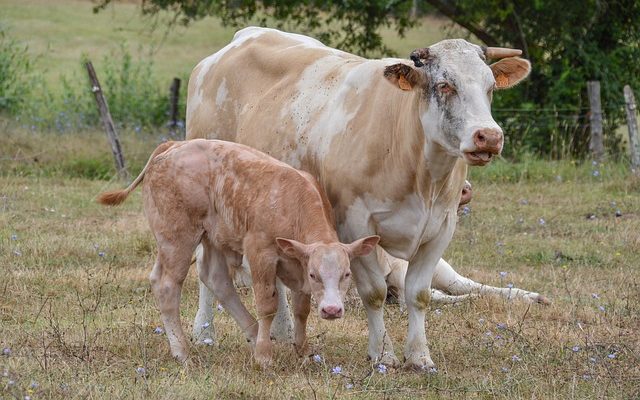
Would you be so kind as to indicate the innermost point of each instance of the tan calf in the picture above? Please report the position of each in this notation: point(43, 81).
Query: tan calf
point(235, 200)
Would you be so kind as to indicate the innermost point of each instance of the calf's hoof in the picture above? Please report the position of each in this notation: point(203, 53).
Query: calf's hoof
point(263, 362)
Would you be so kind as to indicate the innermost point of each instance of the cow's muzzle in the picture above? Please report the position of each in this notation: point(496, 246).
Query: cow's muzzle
point(488, 143)
point(331, 312)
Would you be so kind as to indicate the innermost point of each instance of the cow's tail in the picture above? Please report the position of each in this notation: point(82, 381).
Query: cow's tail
point(116, 197)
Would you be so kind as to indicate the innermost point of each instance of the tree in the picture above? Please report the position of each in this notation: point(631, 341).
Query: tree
point(568, 42)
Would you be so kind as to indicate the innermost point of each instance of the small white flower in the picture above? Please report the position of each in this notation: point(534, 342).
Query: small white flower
point(466, 210)
point(206, 325)
point(207, 341)
point(433, 370)
point(612, 356)
point(336, 370)
point(101, 254)
point(505, 369)
point(601, 308)
point(541, 221)
point(14, 237)
point(382, 368)
point(515, 358)
point(141, 371)
point(438, 311)
point(503, 274)
point(575, 349)
point(220, 308)
point(481, 320)
point(510, 285)
point(17, 253)
point(349, 386)
point(158, 330)
point(595, 296)
point(11, 382)
point(6, 351)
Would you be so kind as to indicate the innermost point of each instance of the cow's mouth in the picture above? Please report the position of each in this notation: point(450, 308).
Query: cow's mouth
point(478, 157)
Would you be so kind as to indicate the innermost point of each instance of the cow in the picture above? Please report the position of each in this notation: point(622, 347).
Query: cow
point(234, 201)
point(388, 139)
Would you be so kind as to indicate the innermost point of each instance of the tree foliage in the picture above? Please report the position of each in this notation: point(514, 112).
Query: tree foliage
point(568, 42)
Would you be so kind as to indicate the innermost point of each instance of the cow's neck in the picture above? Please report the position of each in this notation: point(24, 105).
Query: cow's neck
point(430, 166)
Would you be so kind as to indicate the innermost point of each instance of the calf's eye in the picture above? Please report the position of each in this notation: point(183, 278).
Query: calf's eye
point(348, 274)
point(312, 276)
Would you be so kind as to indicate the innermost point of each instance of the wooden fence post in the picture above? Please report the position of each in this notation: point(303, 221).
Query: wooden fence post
point(596, 144)
point(632, 123)
point(174, 96)
point(105, 116)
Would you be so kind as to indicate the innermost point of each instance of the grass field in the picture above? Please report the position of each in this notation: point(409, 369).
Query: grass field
point(60, 32)
point(77, 317)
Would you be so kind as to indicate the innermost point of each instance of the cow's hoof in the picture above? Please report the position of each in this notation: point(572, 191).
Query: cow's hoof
point(421, 363)
point(542, 300)
point(180, 357)
point(389, 360)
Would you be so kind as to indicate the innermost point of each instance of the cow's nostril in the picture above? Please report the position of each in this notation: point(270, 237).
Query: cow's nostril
point(480, 138)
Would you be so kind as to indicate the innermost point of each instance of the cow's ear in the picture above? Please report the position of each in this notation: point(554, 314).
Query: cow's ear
point(362, 247)
point(508, 72)
point(293, 249)
point(403, 76)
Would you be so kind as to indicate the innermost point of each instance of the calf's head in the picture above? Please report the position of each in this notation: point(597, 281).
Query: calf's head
point(327, 269)
point(455, 88)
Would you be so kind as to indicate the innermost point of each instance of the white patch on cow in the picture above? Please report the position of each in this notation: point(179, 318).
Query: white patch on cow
point(404, 225)
point(195, 100)
point(221, 94)
point(319, 109)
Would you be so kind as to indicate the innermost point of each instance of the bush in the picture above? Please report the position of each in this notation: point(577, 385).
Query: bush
point(15, 68)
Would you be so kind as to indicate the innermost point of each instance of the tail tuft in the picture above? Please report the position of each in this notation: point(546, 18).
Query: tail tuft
point(113, 197)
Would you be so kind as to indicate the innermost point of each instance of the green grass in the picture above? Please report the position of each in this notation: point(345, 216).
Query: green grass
point(78, 315)
point(60, 32)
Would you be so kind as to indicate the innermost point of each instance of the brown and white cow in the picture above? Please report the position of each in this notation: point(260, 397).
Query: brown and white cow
point(235, 200)
point(389, 140)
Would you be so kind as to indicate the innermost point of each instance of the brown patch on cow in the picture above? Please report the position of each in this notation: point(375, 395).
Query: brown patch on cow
point(376, 297)
point(423, 298)
point(403, 76)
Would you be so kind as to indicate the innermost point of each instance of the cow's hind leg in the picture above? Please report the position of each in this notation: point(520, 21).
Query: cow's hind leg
point(215, 275)
point(167, 276)
point(203, 329)
point(449, 281)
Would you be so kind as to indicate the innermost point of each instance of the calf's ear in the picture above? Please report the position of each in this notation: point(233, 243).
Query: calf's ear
point(362, 247)
point(508, 72)
point(293, 249)
point(403, 76)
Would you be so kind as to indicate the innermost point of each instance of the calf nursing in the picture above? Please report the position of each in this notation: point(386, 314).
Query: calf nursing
point(235, 200)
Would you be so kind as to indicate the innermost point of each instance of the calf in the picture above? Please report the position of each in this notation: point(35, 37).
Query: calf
point(235, 200)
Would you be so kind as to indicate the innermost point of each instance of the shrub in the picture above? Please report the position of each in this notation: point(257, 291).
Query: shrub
point(15, 68)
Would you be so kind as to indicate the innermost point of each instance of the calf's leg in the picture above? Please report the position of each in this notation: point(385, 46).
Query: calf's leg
point(263, 275)
point(215, 275)
point(166, 278)
point(301, 307)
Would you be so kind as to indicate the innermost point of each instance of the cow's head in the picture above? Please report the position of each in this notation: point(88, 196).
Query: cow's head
point(328, 269)
point(456, 87)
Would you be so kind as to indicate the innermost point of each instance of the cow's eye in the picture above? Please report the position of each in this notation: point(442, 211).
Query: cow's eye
point(312, 276)
point(348, 274)
point(445, 88)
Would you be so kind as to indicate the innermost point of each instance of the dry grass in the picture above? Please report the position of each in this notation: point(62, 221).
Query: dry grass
point(78, 318)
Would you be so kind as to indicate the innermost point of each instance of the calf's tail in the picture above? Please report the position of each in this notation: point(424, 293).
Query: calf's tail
point(115, 197)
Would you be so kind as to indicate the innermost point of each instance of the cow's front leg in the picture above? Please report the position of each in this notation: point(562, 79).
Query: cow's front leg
point(372, 289)
point(417, 297)
point(301, 308)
